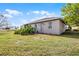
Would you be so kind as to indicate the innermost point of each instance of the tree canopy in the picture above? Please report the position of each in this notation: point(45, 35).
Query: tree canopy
point(3, 20)
point(71, 13)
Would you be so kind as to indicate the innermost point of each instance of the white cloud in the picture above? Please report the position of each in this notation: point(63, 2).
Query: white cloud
point(10, 13)
point(7, 15)
point(13, 12)
point(41, 12)
point(36, 12)
point(44, 12)
point(45, 16)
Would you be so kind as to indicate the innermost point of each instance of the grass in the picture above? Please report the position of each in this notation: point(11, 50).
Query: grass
point(38, 44)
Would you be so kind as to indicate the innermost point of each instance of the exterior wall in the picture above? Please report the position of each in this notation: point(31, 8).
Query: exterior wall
point(57, 27)
point(62, 27)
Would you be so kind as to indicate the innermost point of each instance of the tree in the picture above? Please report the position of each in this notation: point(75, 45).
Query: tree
point(71, 14)
point(3, 21)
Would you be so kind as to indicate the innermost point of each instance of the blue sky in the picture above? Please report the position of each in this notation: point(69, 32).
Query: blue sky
point(21, 13)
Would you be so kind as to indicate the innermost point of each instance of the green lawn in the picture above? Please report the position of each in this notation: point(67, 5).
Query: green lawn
point(38, 44)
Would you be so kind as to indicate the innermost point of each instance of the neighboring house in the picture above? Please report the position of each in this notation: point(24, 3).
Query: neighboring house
point(52, 25)
point(8, 28)
point(12, 27)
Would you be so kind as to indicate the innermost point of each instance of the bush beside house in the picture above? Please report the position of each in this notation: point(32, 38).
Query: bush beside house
point(25, 30)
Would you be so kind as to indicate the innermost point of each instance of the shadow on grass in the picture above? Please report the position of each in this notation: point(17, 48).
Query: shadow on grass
point(71, 34)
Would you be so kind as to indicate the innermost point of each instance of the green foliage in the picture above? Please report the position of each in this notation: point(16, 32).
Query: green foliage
point(17, 31)
point(25, 30)
point(71, 13)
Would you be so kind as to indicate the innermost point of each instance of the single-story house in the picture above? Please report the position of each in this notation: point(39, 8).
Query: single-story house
point(52, 25)
point(8, 28)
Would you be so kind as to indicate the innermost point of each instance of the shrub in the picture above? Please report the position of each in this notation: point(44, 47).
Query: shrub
point(25, 30)
point(17, 31)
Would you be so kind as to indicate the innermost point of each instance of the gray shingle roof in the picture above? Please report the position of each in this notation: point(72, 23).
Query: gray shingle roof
point(45, 19)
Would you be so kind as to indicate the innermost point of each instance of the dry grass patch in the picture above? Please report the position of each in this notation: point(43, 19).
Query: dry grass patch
point(38, 44)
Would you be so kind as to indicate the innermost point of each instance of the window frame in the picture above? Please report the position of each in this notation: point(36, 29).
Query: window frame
point(50, 25)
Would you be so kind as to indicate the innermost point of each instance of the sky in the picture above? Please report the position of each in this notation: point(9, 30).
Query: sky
point(21, 13)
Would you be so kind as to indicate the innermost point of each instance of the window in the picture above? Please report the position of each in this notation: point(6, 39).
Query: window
point(50, 25)
point(36, 29)
point(35, 25)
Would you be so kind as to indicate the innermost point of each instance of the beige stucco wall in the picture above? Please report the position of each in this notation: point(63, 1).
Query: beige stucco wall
point(57, 27)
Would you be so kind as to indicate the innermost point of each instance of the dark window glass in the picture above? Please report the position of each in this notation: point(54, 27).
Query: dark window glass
point(50, 25)
point(35, 25)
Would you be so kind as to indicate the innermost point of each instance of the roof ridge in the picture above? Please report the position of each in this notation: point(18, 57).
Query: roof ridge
point(45, 19)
